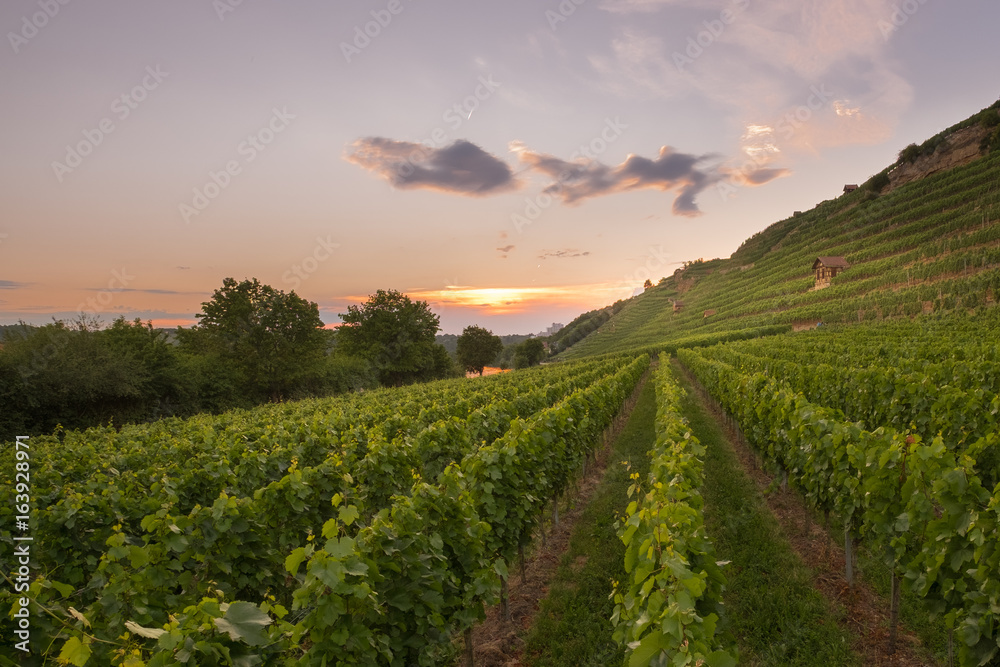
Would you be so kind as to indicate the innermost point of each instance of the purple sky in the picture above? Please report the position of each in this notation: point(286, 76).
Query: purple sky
point(514, 163)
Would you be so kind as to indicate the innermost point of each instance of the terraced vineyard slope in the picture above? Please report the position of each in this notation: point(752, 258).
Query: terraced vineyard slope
point(929, 245)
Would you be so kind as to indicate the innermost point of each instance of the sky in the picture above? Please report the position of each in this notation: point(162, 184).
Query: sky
point(511, 163)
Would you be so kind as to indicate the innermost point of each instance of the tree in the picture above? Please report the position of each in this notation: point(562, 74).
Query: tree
point(395, 334)
point(275, 341)
point(166, 389)
point(477, 348)
point(529, 353)
point(69, 375)
point(648, 284)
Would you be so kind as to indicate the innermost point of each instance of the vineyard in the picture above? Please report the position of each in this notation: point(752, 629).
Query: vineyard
point(891, 428)
point(932, 245)
point(362, 530)
point(377, 528)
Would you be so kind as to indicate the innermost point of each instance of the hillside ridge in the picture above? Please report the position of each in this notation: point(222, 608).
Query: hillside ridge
point(922, 236)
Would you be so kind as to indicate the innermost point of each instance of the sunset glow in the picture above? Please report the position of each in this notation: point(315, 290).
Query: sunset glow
point(510, 163)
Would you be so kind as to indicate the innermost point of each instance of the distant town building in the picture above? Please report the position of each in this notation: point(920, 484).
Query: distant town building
point(678, 305)
point(556, 326)
point(850, 188)
point(709, 313)
point(828, 268)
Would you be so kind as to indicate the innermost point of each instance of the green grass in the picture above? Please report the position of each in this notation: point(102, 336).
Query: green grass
point(775, 613)
point(572, 628)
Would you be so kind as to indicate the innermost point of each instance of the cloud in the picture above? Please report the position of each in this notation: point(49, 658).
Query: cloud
point(117, 290)
point(764, 63)
point(759, 176)
point(41, 315)
point(460, 168)
point(11, 284)
point(582, 179)
point(634, 6)
point(563, 254)
point(504, 250)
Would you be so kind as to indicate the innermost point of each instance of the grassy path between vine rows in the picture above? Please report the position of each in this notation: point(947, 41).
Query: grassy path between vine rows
point(570, 627)
point(778, 618)
point(776, 609)
point(559, 614)
point(787, 599)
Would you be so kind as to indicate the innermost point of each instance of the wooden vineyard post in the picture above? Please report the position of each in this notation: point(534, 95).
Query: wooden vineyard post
point(555, 512)
point(504, 599)
point(848, 557)
point(468, 648)
point(893, 612)
point(520, 557)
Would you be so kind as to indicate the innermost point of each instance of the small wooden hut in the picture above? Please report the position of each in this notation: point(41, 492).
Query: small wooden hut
point(828, 268)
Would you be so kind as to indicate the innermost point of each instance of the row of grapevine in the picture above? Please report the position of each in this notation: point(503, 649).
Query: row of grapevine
point(366, 585)
point(287, 460)
point(922, 504)
point(907, 375)
point(669, 608)
point(956, 400)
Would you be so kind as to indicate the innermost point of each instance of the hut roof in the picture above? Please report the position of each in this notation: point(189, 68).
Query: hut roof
point(833, 262)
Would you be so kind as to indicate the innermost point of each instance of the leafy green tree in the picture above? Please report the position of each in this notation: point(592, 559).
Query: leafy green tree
point(442, 365)
point(68, 374)
point(477, 348)
point(529, 353)
point(395, 334)
point(165, 388)
point(273, 341)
